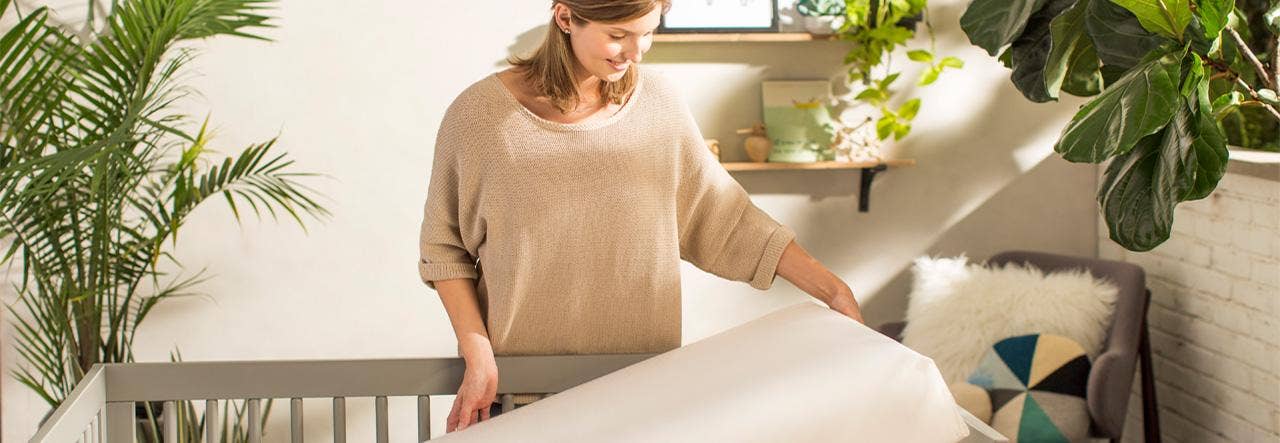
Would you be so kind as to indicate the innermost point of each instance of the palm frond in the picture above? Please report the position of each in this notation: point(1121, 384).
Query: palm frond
point(90, 190)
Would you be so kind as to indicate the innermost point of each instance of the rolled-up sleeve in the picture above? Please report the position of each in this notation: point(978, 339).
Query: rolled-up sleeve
point(443, 254)
point(721, 230)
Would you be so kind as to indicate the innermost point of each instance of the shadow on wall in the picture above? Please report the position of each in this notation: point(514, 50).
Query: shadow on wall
point(1000, 213)
point(524, 44)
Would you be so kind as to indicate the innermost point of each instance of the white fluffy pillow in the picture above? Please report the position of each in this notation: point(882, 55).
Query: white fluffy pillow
point(957, 310)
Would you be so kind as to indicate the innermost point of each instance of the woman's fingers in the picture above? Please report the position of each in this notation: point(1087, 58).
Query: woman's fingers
point(468, 416)
point(452, 423)
point(475, 397)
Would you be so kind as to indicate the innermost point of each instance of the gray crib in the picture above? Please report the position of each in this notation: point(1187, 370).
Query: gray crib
point(101, 408)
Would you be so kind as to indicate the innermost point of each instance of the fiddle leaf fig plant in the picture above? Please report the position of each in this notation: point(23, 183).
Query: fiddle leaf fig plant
point(876, 28)
point(1163, 77)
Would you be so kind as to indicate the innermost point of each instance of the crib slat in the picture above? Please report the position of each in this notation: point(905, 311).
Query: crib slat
point(508, 403)
point(93, 428)
point(212, 424)
point(121, 424)
point(295, 420)
point(339, 420)
point(424, 418)
point(170, 421)
point(381, 408)
point(255, 420)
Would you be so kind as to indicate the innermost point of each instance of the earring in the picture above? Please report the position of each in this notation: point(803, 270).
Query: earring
point(566, 30)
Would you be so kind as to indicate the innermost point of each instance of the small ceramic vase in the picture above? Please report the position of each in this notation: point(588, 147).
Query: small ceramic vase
point(757, 144)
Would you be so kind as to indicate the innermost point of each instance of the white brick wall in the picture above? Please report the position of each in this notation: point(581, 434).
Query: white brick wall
point(1215, 317)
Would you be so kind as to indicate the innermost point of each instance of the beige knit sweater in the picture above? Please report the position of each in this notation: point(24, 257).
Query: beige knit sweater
point(574, 232)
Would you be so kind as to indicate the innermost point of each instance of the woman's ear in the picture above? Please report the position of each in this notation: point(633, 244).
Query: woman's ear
point(562, 15)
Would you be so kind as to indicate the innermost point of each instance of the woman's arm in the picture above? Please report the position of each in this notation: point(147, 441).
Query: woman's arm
point(480, 381)
point(462, 304)
point(802, 270)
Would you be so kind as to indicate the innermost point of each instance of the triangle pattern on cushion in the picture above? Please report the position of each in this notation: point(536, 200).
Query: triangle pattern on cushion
point(1072, 378)
point(1052, 351)
point(1036, 425)
point(1017, 352)
point(1069, 414)
point(1000, 397)
point(993, 373)
point(1006, 419)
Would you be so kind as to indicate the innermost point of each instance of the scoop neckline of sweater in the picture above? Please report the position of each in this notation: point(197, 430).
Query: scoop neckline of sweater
point(579, 126)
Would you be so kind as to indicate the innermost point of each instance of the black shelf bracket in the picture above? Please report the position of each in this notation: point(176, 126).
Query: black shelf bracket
point(864, 190)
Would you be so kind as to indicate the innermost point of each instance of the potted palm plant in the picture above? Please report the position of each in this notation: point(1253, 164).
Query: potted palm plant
point(98, 173)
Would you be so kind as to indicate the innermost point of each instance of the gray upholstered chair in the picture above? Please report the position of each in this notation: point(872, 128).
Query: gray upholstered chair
point(1125, 345)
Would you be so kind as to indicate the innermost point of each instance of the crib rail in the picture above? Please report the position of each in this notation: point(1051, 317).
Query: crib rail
point(101, 408)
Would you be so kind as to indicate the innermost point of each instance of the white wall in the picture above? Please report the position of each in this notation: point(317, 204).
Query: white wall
point(1215, 320)
point(357, 92)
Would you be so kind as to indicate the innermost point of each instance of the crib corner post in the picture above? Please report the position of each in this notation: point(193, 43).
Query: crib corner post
point(121, 424)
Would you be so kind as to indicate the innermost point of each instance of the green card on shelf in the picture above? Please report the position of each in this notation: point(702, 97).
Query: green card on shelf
point(798, 121)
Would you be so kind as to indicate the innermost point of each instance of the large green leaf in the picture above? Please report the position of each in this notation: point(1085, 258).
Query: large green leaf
point(1176, 168)
point(1214, 15)
point(1209, 147)
point(1128, 199)
point(991, 24)
point(1030, 50)
point(1164, 17)
point(1183, 161)
point(1196, 38)
point(1194, 152)
point(1120, 39)
point(1072, 64)
point(1137, 105)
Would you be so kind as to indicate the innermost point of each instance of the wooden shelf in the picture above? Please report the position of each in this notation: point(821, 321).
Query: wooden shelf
point(753, 166)
point(712, 37)
point(868, 171)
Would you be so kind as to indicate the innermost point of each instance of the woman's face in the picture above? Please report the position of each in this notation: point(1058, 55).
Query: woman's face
point(607, 50)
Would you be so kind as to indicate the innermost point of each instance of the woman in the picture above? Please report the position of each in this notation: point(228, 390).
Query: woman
point(563, 194)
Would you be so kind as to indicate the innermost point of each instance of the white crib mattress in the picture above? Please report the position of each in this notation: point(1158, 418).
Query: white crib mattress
point(804, 373)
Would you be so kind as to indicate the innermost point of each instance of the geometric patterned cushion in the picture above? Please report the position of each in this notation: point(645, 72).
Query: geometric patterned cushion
point(1037, 385)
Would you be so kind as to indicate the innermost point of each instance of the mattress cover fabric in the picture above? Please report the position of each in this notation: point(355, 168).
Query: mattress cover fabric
point(804, 373)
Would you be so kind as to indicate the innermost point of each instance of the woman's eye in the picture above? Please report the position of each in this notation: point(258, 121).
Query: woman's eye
point(617, 37)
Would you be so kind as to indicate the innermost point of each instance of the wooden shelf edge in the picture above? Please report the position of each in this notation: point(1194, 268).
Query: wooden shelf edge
point(740, 37)
point(753, 166)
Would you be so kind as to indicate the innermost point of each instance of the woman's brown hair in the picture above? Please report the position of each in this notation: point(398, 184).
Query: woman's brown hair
point(549, 70)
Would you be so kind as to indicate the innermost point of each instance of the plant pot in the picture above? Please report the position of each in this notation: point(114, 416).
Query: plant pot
point(823, 24)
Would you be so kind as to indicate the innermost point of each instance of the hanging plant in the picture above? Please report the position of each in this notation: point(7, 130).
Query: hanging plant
point(875, 28)
point(1162, 74)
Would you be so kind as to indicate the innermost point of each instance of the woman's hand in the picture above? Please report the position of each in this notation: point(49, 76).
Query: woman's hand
point(479, 386)
point(802, 270)
point(844, 303)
